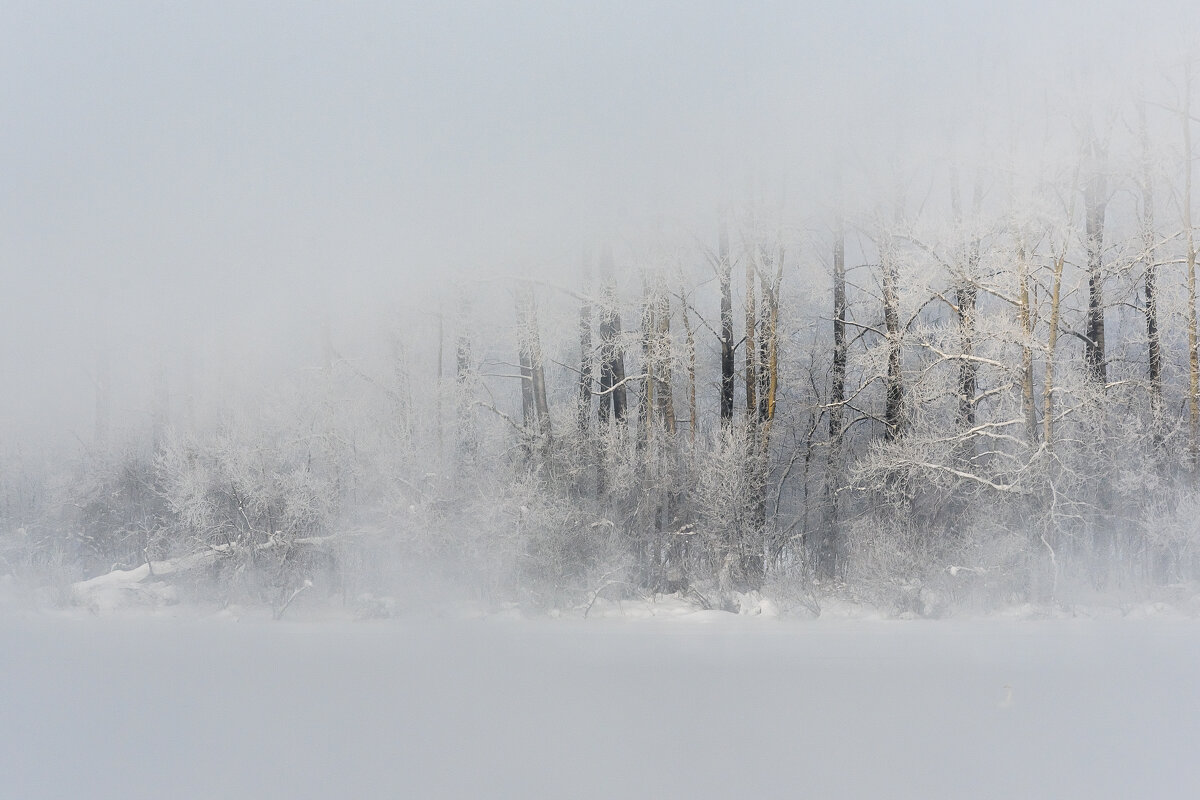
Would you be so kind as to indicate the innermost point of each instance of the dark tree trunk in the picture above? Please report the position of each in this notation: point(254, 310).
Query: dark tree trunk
point(1154, 343)
point(1095, 198)
point(751, 345)
point(838, 385)
point(613, 400)
point(765, 343)
point(827, 553)
point(725, 276)
point(965, 301)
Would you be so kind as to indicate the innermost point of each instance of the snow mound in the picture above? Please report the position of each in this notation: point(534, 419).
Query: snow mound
point(139, 588)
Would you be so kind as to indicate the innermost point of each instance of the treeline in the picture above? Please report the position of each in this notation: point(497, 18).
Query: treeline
point(977, 386)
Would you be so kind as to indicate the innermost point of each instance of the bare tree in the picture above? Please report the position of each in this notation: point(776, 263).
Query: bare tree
point(613, 402)
point(586, 355)
point(1150, 267)
point(725, 276)
point(1095, 202)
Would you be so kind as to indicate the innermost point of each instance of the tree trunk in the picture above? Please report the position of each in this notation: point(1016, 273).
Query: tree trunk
point(894, 400)
point(584, 413)
point(690, 346)
point(1193, 354)
point(769, 365)
point(751, 346)
point(646, 399)
point(965, 295)
point(665, 400)
point(1051, 345)
point(534, 404)
point(765, 341)
point(1149, 262)
point(403, 384)
point(827, 552)
point(525, 358)
point(1095, 200)
point(467, 438)
point(613, 399)
point(725, 276)
point(1025, 318)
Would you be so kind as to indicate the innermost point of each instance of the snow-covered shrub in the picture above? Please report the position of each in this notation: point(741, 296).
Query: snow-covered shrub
point(728, 524)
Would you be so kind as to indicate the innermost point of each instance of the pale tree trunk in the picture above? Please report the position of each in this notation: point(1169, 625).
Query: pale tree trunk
point(766, 338)
point(528, 411)
point(585, 352)
point(656, 429)
point(667, 558)
point(403, 393)
point(534, 405)
point(1055, 316)
point(1051, 346)
point(763, 383)
point(665, 400)
point(1025, 319)
point(894, 386)
point(468, 441)
point(770, 348)
point(769, 368)
point(689, 340)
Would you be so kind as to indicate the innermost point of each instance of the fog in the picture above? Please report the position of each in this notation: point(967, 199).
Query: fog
point(205, 206)
point(218, 179)
point(860, 710)
point(587, 400)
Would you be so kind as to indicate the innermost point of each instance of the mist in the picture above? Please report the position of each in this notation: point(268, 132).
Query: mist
point(182, 178)
point(533, 399)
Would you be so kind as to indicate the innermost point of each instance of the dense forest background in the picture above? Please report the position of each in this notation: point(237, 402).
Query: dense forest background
point(954, 369)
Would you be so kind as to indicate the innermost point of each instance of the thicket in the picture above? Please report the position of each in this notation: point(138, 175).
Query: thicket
point(979, 386)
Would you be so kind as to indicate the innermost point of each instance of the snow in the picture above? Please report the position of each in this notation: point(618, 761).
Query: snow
point(741, 706)
point(123, 589)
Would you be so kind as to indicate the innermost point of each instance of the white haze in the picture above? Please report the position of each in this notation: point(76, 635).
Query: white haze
point(213, 196)
point(214, 181)
point(134, 709)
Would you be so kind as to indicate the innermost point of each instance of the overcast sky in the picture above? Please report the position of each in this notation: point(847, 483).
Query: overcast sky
point(177, 172)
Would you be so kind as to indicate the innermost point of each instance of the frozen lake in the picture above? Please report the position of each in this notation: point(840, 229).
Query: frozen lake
point(141, 708)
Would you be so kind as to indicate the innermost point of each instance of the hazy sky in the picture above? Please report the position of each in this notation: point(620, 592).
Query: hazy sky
point(177, 172)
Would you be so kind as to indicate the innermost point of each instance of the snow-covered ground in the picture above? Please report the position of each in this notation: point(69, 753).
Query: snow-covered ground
point(704, 705)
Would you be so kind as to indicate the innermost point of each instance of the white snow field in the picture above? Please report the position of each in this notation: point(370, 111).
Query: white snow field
point(712, 706)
